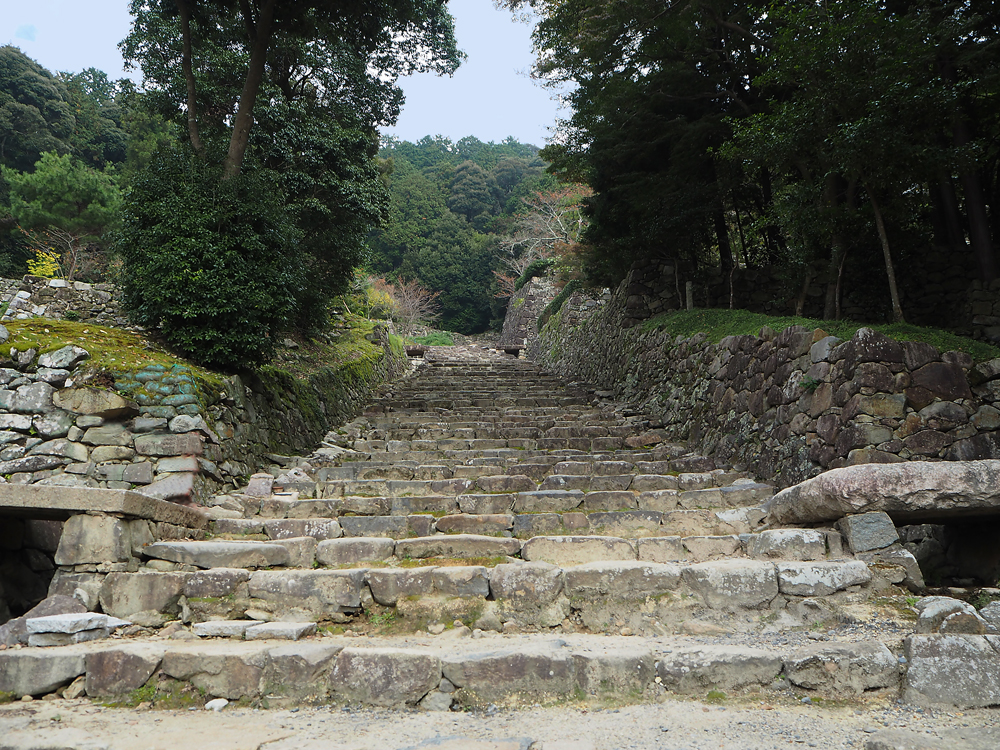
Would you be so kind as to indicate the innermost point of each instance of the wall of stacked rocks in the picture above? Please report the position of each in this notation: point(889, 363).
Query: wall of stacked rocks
point(937, 292)
point(523, 310)
point(161, 431)
point(786, 404)
point(37, 297)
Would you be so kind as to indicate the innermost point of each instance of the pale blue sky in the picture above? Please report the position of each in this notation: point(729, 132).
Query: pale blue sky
point(490, 97)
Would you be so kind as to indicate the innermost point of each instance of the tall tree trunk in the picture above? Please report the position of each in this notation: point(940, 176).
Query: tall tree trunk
point(831, 304)
point(248, 97)
point(897, 310)
point(838, 251)
point(980, 236)
point(946, 203)
point(192, 102)
point(728, 267)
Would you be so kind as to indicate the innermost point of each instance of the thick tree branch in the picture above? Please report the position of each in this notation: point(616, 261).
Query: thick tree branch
point(248, 97)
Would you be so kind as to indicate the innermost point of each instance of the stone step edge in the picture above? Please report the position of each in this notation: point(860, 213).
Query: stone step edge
point(457, 670)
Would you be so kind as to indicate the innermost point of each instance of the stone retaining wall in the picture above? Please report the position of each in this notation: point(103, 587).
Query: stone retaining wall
point(167, 434)
point(523, 310)
point(37, 297)
point(785, 405)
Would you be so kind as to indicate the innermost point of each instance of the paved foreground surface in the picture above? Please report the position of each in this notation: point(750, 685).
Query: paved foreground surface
point(740, 724)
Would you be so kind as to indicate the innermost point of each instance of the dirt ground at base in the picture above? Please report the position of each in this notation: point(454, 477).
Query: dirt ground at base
point(676, 724)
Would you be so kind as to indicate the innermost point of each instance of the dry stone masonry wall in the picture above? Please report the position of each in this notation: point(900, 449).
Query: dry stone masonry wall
point(786, 404)
point(37, 297)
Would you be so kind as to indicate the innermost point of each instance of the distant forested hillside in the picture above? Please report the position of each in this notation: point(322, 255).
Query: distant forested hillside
point(451, 206)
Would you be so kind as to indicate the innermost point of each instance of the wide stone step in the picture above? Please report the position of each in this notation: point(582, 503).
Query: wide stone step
point(595, 576)
point(455, 670)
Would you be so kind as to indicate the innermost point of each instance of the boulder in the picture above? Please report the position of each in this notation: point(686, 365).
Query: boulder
point(908, 492)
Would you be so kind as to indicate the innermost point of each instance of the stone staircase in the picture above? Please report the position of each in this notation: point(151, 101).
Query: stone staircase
point(486, 533)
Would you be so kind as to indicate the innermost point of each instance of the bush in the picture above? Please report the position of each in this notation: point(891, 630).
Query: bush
point(210, 263)
point(438, 338)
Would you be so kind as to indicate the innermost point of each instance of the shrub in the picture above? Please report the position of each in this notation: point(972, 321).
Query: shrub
point(209, 262)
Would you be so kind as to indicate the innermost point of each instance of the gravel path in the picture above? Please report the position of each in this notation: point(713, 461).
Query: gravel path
point(743, 724)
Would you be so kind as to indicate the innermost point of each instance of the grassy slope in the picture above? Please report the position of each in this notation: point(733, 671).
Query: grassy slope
point(718, 324)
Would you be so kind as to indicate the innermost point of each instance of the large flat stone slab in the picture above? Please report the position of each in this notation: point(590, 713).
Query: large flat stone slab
point(35, 501)
point(220, 554)
point(457, 545)
point(911, 492)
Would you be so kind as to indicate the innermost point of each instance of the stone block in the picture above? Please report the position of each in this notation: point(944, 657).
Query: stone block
point(296, 595)
point(468, 580)
point(496, 675)
point(486, 504)
point(232, 673)
point(821, 578)
point(33, 399)
point(630, 580)
point(120, 670)
point(383, 677)
point(661, 549)
point(388, 585)
point(551, 501)
point(220, 554)
point(534, 582)
point(482, 524)
point(215, 583)
point(952, 670)
point(318, 528)
point(301, 551)
point(868, 531)
point(222, 628)
point(37, 672)
point(576, 550)
point(628, 523)
point(281, 631)
point(731, 584)
point(703, 548)
point(787, 544)
point(188, 444)
point(843, 669)
point(96, 402)
point(392, 527)
point(350, 550)
point(124, 594)
point(457, 545)
point(93, 539)
point(696, 669)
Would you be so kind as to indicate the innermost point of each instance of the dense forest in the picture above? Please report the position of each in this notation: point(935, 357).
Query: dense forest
point(845, 138)
point(453, 208)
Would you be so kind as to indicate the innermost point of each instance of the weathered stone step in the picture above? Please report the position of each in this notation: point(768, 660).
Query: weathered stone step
point(454, 670)
point(649, 597)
